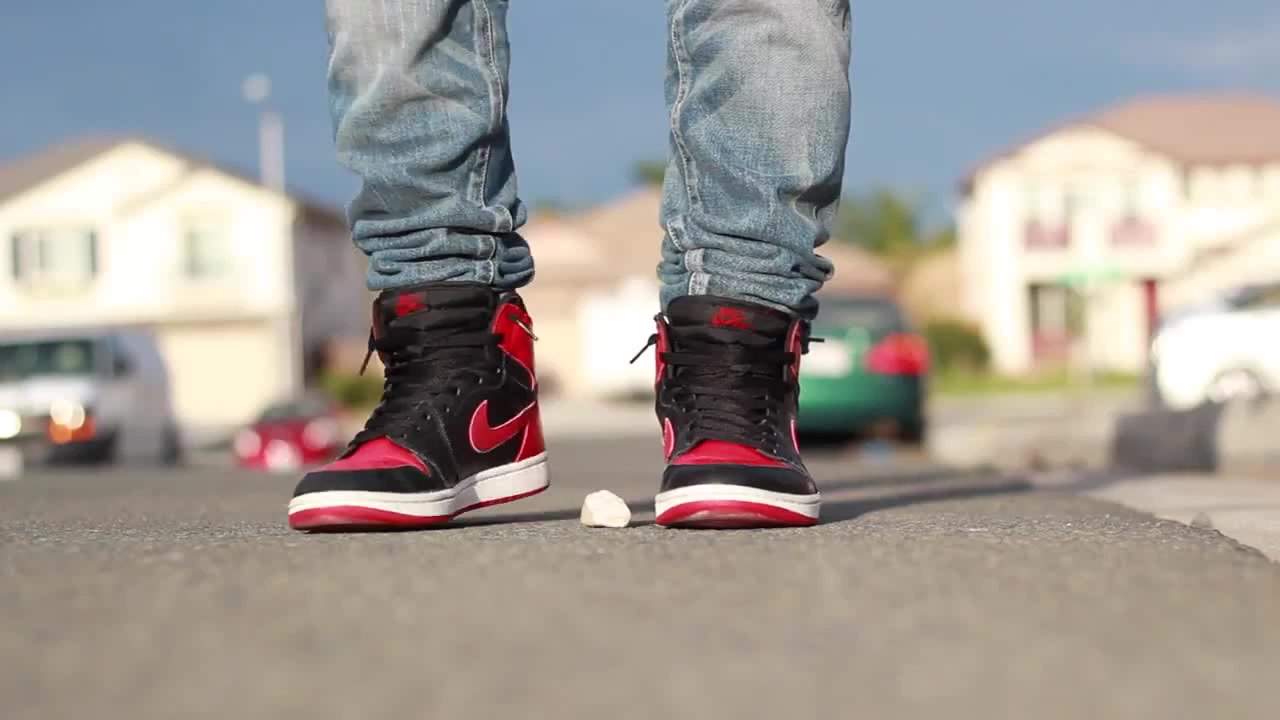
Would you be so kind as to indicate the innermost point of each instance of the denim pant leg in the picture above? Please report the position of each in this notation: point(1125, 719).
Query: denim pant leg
point(758, 92)
point(418, 92)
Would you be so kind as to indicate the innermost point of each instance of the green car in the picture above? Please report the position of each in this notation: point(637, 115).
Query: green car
point(867, 376)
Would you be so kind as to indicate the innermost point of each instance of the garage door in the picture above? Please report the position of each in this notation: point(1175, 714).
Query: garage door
point(223, 375)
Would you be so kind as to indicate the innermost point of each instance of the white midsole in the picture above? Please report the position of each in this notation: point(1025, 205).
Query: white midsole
point(494, 484)
point(807, 505)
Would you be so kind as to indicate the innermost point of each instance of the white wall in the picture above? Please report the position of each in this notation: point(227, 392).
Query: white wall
point(614, 325)
point(1117, 338)
point(219, 373)
point(1256, 261)
point(991, 251)
point(1227, 201)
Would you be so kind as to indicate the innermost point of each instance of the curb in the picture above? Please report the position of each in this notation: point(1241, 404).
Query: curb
point(1248, 438)
point(1244, 509)
point(1235, 439)
point(1164, 441)
point(1073, 441)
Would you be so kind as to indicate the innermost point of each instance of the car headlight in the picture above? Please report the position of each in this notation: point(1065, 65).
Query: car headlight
point(10, 424)
point(68, 414)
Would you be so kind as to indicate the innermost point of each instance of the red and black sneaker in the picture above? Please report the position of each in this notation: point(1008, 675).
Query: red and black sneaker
point(727, 392)
point(458, 425)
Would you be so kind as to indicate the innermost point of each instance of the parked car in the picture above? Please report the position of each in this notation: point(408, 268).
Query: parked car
point(86, 395)
point(297, 433)
point(1225, 349)
point(869, 373)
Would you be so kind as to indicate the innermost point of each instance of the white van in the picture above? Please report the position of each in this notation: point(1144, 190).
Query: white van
point(86, 395)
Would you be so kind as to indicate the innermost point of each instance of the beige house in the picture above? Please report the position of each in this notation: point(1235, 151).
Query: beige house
point(596, 292)
point(240, 284)
point(1138, 208)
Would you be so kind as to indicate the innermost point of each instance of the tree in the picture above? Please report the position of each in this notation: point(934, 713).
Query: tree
point(942, 239)
point(649, 173)
point(892, 226)
point(884, 222)
point(551, 206)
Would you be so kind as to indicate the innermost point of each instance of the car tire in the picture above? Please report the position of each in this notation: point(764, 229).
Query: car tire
point(100, 451)
point(170, 447)
point(913, 432)
point(1236, 384)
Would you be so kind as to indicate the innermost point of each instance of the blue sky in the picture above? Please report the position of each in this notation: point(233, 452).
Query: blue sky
point(938, 86)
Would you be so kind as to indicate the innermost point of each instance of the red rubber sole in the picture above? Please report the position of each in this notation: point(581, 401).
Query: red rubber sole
point(731, 515)
point(353, 518)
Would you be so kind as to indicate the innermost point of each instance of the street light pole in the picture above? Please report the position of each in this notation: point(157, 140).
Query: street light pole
point(257, 90)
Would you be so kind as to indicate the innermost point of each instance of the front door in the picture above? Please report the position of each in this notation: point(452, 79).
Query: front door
point(1055, 323)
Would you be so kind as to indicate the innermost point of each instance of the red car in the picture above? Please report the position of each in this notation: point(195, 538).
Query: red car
point(291, 435)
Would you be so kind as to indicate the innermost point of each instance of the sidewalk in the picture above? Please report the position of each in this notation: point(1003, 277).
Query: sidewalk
point(589, 418)
point(1245, 509)
point(997, 412)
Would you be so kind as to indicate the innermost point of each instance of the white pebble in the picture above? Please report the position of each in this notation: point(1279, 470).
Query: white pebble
point(604, 509)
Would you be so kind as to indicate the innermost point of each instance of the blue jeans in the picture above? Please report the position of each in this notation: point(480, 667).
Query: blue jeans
point(758, 93)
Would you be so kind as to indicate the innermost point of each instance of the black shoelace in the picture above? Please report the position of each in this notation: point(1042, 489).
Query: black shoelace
point(731, 384)
point(425, 368)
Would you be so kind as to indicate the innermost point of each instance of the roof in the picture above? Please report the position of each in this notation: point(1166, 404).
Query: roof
point(599, 246)
point(1200, 129)
point(623, 238)
point(26, 172)
point(630, 228)
point(1204, 129)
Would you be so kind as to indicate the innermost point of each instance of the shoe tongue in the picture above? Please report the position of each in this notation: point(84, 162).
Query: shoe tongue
point(421, 305)
point(710, 312)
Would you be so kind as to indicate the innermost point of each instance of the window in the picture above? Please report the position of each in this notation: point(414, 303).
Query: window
point(55, 257)
point(1130, 227)
point(121, 359)
point(872, 314)
point(305, 407)
point(71, 357)
point(206, 251)
point(1047, 224)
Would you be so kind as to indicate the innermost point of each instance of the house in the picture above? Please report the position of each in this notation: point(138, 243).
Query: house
point(242, 286)
point(1077, 240)
point(595, 292)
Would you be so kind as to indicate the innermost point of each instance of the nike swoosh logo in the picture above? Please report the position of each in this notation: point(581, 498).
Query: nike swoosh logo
point(486, 438)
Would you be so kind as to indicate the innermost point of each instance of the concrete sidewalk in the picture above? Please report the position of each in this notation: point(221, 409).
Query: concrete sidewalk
point(591, 418)
point(993, 413)
point(1245, 509)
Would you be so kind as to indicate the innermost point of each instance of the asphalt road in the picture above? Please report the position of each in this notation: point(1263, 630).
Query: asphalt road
point(136, 594)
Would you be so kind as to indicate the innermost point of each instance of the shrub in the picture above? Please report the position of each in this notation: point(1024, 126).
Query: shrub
point(352, 391)
point(956, 346)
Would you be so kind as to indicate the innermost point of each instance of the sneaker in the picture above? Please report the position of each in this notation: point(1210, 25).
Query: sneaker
point(727, 392)
point(458, 426)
